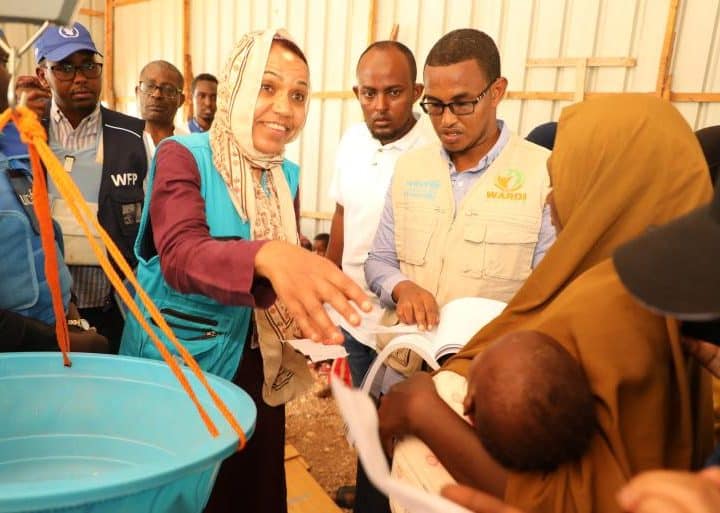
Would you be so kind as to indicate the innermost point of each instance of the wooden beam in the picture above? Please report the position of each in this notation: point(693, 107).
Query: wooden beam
point(323, 216)
point(91, 12)
point(109, 56)
point(539, 95)
point(119, 3)
point(553, 95)
point(662, 88)
point(695, 97)
point(332, 95)
point(569, 96)
point(372, 29)
point(187, 59)
point(592, 62)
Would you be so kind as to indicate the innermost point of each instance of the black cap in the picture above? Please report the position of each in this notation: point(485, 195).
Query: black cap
point(675, 268)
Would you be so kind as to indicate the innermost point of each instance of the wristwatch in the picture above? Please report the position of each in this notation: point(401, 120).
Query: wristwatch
point(79, 323)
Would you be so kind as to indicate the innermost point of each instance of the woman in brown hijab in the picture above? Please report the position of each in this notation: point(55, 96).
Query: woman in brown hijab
point(620, 165)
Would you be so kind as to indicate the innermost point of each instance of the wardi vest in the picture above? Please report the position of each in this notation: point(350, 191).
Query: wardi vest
point(212, 332)
point(485, 248)
point(124, 166)
point(24, 288)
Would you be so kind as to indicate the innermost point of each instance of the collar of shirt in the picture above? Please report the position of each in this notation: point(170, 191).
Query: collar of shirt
point(489, 157)
point(194, 126)
point(403, 144)
point(91, 122)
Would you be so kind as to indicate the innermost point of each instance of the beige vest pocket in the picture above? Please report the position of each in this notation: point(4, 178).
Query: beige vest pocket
point(474, 250)
point(509, 251)
point(416, 227)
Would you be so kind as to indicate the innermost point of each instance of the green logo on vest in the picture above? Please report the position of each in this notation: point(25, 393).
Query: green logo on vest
point(509, 182)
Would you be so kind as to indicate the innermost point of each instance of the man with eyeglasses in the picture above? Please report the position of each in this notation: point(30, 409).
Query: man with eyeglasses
point(465, 217)
point(159, 95)
point(104, 153)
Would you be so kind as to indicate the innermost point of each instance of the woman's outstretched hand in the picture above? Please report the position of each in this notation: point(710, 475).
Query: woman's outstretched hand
point(304, 281)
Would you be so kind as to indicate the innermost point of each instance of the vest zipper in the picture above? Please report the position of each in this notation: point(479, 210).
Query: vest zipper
point(188, 317)
point(206, 334)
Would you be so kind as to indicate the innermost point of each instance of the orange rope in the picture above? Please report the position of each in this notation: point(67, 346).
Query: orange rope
point(33, 135)
point(47, 238)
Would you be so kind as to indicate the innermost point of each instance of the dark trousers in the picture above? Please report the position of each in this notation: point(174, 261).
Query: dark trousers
point(368, 499)
point(108, 321)
point(253, 480)
point(360, 357)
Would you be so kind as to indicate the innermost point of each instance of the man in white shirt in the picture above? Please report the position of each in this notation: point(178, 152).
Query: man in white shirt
point(365, 161)
point(159, 94)
point(366, 156)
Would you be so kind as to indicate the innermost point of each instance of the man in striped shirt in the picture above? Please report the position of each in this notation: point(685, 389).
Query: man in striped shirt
point(104, 153)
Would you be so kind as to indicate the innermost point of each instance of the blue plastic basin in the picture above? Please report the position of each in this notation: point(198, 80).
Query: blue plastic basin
point(109, 434)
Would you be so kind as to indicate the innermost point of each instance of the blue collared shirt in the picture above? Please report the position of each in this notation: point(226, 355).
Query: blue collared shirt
point(194, 127)
point(382, 267)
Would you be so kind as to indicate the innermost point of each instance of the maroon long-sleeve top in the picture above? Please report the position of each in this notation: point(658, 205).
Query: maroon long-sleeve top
point(190, 259)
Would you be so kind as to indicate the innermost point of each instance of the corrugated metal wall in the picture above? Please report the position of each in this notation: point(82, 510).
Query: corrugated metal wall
point(334, 33)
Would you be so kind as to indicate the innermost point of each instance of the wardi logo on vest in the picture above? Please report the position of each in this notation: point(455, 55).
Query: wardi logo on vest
point(508, 186)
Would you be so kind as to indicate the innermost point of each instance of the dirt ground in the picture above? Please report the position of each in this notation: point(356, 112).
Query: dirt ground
point(314, 427)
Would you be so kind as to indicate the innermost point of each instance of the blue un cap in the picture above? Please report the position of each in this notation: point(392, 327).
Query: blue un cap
point(56, 43)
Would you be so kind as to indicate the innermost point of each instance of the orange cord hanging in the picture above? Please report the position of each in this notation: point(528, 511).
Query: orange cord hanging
point(33, 134)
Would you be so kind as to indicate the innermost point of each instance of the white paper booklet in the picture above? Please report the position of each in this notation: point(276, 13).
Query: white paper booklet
point(360, 415)
point(460, 319)
point(369, 324)
point(316, 351)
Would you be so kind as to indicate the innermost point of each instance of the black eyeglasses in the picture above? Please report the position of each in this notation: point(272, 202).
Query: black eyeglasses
point(66, 71)
point(461, 108)
point(166, 90)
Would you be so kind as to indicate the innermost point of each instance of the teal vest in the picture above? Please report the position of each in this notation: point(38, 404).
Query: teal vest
point(213, 333)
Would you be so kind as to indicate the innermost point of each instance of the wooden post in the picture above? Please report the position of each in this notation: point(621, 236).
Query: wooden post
point(662, 89)
point(109, 55)
point(187, 59)
point(371, 22)
point(580, 76)
point(394, 32)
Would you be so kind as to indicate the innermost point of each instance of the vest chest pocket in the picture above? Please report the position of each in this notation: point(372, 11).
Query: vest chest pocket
point(127, 207)
point(509, 250)
point(502, 251)
point(413, 231)
point(20, 289)
point(204, 338)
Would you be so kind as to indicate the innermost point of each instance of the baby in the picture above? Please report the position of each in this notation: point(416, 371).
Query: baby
point(530, 402)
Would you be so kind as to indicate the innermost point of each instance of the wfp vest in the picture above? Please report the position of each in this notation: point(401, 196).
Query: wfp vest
point(24, 288)
point(124, 166)
point(484, 249)
point(212, 332)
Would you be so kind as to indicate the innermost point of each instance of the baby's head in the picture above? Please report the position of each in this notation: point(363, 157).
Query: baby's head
point(531, 403)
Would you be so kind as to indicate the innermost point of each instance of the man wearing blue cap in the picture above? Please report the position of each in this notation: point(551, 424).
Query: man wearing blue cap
point(104, 153)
